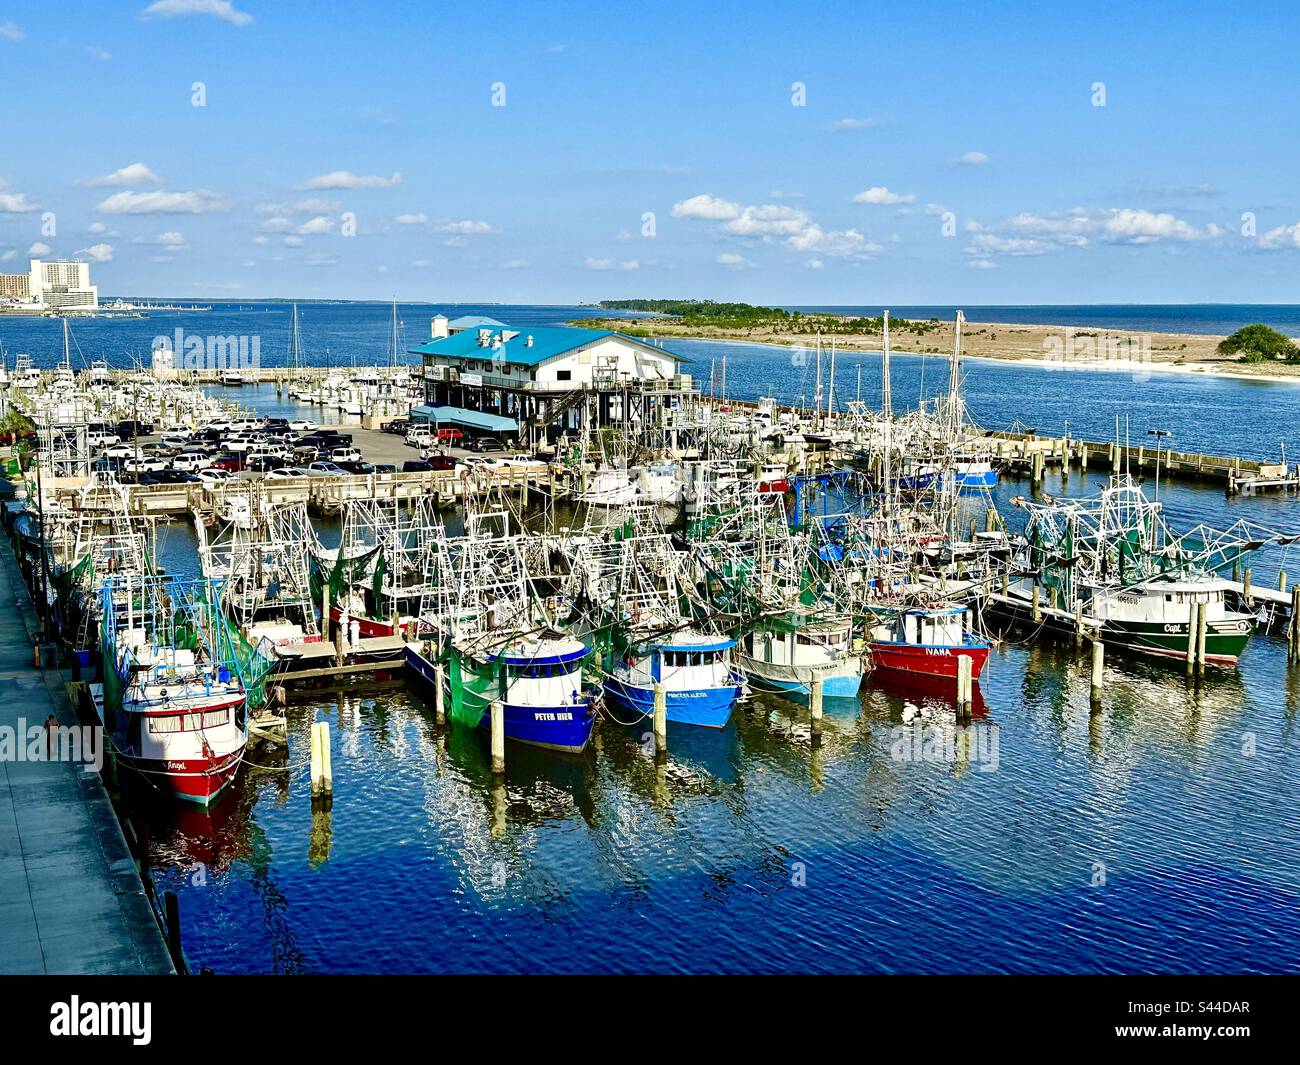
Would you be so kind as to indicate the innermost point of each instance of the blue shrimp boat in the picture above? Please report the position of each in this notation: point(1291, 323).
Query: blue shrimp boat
point(700, 684)
point(539, 684)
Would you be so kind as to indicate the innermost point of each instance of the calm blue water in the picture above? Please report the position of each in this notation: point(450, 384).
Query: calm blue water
point(1157, 836)
point(1253, 419)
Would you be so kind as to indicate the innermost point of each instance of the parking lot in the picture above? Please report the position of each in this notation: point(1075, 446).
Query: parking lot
point(148, 459)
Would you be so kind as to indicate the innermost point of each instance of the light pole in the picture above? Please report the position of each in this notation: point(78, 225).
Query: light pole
point(1160, 435)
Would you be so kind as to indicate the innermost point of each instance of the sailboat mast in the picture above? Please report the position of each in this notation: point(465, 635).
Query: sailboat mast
point(886, 407)
point(830, 390)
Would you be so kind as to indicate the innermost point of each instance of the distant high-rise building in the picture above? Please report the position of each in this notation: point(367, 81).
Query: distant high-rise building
point(63, 285)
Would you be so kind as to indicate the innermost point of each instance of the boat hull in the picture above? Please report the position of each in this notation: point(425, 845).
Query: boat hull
point(200, 781)
point(558, 728)
point(762, 677)
point(927, 660)
point(704, 707)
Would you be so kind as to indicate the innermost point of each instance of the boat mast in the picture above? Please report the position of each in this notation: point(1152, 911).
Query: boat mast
point(830, 388)
point(295, 342)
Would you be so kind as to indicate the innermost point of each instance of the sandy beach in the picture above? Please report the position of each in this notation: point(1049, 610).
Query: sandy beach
point(1049, 346)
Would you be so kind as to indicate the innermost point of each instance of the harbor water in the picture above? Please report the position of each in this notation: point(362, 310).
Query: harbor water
point(1158, 835)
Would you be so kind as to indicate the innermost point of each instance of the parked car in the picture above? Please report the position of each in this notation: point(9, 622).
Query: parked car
point(176, 438)
point(129, 429)
point(484, 443)
point(441, 462)
point(300, 426)
point(215, 475)
point(231, 461)
point(285, 473)
point(341, 455)
point(120, 451)
point(145, 464)
point(326, 469)
point(101, 439)
point(358, 467)
point(398, 426)
point(263, 462)
point(416, 466)
point(189, 461)
point(449, 436)
point(385, 467)
point(419, 436)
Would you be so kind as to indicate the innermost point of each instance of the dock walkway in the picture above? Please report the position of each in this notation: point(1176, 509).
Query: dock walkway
point(71, 899)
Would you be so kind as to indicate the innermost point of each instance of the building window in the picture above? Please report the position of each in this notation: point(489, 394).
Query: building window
point(564, 375)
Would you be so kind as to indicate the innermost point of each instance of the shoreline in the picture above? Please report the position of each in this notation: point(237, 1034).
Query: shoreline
point(1099, 351)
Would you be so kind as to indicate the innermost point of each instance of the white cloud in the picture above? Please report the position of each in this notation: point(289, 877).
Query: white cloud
point(221, 9)
point(10, 31)
point(454, 242)
point(776, 223)
point(9, 256)
point(981, 264)
point(972, 159)
point(127, 177)
point(259, 239)
point(345, 179)
point(317, 226)
point(98, 53)
point(514, 264)
point(856, 123)
point(732, 261)
point(1281, 237)
point(815, 264)
point(1040, 234)
point(38, 250)
point(100, 253)
point(169, 239)
point(200, 201)
point(14, 202)
point(293, 242)
point(315, 205)
point(417, 219)
point(421, 263)
point(611, 264)
point(466, 228)
point(321, 260)
point(878, 194)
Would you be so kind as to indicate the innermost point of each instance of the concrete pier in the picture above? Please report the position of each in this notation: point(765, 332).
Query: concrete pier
point(71, 898)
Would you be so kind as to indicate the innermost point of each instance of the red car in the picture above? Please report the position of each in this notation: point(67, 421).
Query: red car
point(447, 436)
point(230, 461)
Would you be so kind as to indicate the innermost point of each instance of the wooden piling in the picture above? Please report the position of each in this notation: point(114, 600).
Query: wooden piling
point(965, 687)
point(1281, 580)
point(322, 771)
point(815, 695)
point(439, 696)
point(1201, 626)
point(1035, 610)
point(1098, 672)
point(1293, 645)
point(1192, 613)
point(661, 719)
point(498, 712)
point(1246, 588)
point(1078, 625)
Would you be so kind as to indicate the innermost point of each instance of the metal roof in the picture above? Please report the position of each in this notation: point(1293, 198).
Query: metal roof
point(473, 419)
point(547, 342)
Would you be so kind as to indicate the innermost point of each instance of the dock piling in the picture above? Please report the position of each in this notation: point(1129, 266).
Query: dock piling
point(1201, 626)
point(322, 771)
point(661, 719)
point(498, 713)
point(439, 696)
point(1293, 643)
point(965, 687)
point(1098, 672)
point(815, 703)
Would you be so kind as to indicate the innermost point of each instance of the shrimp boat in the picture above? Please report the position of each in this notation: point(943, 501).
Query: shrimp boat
point(701, 683)
point(786, 655)
point(924, 642)
point(609, 488)
point(179, 684)
point(492, 641)
point(1113, 560)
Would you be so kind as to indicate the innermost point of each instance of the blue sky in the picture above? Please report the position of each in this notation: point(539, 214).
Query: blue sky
point(941, 152)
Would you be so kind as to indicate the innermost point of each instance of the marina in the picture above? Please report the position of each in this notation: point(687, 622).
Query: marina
point(651, 597)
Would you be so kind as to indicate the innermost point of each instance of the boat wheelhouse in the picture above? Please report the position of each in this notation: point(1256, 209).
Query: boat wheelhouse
point(924, 641)
point(538, 682)
point(701, 684)
point(786, 655)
